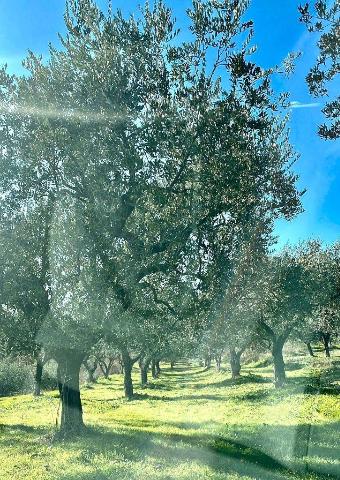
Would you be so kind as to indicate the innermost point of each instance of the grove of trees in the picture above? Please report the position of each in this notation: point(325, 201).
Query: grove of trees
point(140, 179)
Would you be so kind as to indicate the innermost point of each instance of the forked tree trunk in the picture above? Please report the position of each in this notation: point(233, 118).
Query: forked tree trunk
point(128, 364)
point(38, 376)
point(277, 342)
point(310, 350)
point(105, 366)
point(235, 363)
point(279, 365)
point(69, 363)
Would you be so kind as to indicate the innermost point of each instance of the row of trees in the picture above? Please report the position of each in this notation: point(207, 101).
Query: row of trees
point(140, 179)
point(294, 295)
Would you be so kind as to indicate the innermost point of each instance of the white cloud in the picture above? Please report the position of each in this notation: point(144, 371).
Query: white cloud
point(296, 104)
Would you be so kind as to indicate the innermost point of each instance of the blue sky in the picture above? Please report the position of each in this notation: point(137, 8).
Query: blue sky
point(33, 23)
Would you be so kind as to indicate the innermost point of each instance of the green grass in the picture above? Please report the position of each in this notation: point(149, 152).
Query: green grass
point(189, 424)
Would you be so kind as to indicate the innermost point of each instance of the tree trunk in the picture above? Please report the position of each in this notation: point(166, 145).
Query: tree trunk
point(144, 367)
point(128, 364)
point(207, 362)
point(235, 363)
point(279, 365)
point(104, 367)
point(91, 369)
point(38, 376)
point(218, 360)
point(158, 368)
point(310, 350)
point(121, 365)
point(326, 337)
point(153, 368)
point(69, 363)
point(106, 371)
point(172, 364)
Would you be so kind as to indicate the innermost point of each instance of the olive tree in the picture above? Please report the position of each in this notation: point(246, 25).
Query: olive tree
point(284, 290)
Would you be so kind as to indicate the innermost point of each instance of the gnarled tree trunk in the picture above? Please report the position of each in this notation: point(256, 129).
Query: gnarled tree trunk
point(277, 342)
point(69, 363)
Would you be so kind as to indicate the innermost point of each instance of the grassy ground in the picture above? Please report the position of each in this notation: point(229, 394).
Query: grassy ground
point(189, 424)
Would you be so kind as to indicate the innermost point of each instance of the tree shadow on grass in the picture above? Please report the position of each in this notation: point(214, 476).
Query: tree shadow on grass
point(223, 455)
point(23, 436)
point(136, 440)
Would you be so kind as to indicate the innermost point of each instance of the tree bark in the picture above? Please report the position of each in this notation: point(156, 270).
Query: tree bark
point(128, 364)
point(310, 350)
point(69, 363)
point(153, 369)
point(172, 364)
point(38, 376)
point(144, 367)
point(207, 362)
point(235, 363)
point(326, 337)
point(158, 368)
point(279, 365)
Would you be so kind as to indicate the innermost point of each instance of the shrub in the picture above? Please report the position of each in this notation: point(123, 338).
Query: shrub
point(15, 378)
